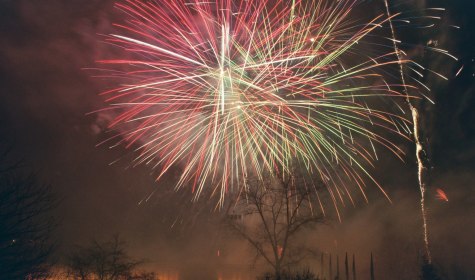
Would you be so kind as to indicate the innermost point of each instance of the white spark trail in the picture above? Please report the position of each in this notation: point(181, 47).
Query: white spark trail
point(417, 140)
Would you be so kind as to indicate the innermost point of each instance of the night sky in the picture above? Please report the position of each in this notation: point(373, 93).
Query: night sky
point(46, 96)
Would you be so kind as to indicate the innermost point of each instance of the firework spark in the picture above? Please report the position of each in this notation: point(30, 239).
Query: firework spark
point(441, 195)
point(227, 88)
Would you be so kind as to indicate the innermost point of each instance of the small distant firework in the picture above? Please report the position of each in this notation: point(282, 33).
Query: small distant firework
point(225, 88)
point(441, 195)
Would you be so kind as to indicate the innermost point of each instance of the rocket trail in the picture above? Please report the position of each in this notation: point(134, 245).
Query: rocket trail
point(419, 146)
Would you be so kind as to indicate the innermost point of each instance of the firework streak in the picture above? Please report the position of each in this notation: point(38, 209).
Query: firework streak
point(224, 89)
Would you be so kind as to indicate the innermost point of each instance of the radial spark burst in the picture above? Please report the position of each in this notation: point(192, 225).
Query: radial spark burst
point(227, 88)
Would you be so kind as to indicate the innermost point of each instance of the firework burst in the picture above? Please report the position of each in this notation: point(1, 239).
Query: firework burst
point(226, 88)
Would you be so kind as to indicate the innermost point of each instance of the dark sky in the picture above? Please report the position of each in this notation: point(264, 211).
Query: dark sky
point(45, 94)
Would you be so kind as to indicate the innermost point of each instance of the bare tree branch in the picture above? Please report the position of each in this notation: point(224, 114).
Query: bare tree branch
point(26, 223)
point(275, 209)
point(106, 260)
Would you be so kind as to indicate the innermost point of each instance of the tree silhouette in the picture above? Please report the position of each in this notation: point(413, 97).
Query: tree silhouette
point(105, 261)
point(429, 271)
point(270, 212)
point(26, 223)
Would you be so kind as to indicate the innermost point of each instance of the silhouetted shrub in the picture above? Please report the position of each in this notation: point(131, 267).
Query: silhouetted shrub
point(304, 274)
